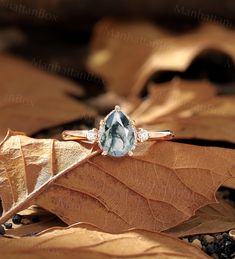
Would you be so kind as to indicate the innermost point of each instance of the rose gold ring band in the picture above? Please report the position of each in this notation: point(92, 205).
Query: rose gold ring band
point(74, 134)
point(82, 135)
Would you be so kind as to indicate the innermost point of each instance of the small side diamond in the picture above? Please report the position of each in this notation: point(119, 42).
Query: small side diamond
point(143, 135)
point(92, 135)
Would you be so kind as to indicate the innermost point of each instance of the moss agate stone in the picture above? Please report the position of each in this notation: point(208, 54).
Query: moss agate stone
point(116, 135)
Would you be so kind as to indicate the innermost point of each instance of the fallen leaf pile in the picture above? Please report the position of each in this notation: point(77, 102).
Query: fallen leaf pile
point(138, 206)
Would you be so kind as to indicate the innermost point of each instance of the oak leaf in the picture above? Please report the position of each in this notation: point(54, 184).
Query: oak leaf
point(32, 100)
point(127, 54)
point(162, 185)
point(87, 241)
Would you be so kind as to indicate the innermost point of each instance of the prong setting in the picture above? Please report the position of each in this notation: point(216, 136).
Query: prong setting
point(101, 122)
point(132, 123)
point(104, 153)
point(117, 108)
point(130, 153)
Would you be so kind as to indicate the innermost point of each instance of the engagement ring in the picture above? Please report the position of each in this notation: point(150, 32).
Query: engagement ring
point(117, 135)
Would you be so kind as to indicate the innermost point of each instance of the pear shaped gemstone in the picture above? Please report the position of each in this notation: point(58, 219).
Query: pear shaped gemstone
point(117, 135)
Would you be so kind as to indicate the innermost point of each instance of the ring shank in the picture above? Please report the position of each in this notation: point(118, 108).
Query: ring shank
point(82, 135)
point(74, 134)
point(160, 135)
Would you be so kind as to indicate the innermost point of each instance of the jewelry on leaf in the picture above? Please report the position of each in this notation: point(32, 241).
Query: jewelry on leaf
point(117, 135)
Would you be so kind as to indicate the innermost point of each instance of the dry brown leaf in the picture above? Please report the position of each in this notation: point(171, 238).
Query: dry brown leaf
point(170, 100)
point(230, 183)
point(32, 100)
point(213, 218)
point(162, 185)
point(127, 54)
point(89, 242)
point(28, 165)
point(190, 109)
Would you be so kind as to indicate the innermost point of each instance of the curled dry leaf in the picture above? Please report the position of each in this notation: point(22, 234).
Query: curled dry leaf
point(32, 100)
point(230, 183)
point(126, 55)
point(89, 242)
point(213, 218)
point(162, 185)
point(190, 109)
point(169, 100)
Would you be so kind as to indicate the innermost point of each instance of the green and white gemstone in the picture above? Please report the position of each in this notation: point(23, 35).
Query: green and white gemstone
point(117, 134)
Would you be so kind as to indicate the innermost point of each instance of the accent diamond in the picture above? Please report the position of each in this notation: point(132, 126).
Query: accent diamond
point(92, 135)
point(143, 135)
